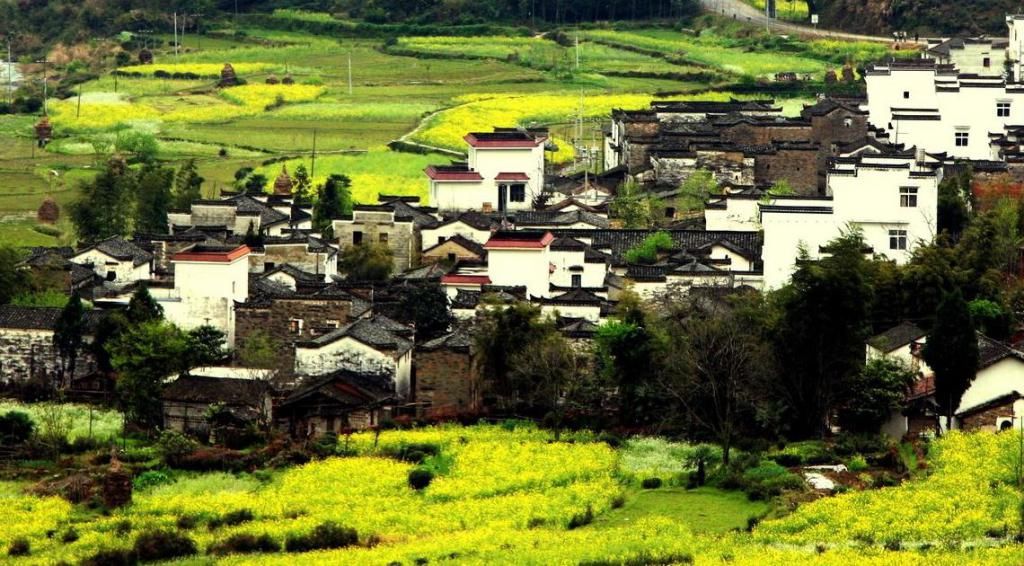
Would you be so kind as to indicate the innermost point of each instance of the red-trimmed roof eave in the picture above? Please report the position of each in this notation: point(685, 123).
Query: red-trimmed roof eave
point(463, 176)
point(456, 279)
point(506, 176)
point(520, 244)
point(507, 144)
point(213, 257)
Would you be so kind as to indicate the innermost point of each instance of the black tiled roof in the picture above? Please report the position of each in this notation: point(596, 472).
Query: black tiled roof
point(268, 216)
point(378, 332)
point(122, 250)
point(618, 242)
point(345, 387)
point(575, 297)
point(202, 389)
point(903, 333)
point(459, 340)
point(42, 318)
point(556, 217)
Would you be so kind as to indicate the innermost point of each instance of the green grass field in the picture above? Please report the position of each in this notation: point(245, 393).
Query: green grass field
point(703, 510)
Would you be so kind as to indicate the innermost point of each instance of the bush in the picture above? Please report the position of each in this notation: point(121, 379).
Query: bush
point(163, 545)
point(111, 557)
point(243, 543)
point(857, 463)
point(581, 519)
point(651, 483)
point(174, 446)
point(419, 479)
point(151, 478)
point(324, 536)
point(186, 522)
point(230, 519)
point(19, 547)
point(69, 536)
point(15, 428)
point(416, 452)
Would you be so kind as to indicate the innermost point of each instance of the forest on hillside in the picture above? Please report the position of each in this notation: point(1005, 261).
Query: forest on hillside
point(925, 17)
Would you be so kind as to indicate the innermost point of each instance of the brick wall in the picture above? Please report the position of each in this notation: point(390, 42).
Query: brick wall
point(275, 319)
point(27, 355)
point(399, 235)
point(986, 420)
point(798, 167)
point(446, 382)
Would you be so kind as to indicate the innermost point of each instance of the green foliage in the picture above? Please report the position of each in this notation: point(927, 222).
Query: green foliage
point(367, 262)
point(324, 536)
point(163, 545)
point(258, 350)
point(244, 543)
point(68, 334)
point(206, 346)
point(952, 352)
point(857, 463)
point(426, 306)
point(648, 250)
point(141, 146)
point(991, 318)
point(696, 189)
point(954, 192)
point(635, 208)
point(173, 446)
point(334, 199)
point(877, 391)
point(149, 479)
point(626, 357)
point(16, 427)
point(255, 184)
point(142, 307)
point(144, 355)
point(44, 298)
point(86, 421)
point(105, 206)
point(419, 478)
point(153, 198)
point(187, 186)
point(13, 281)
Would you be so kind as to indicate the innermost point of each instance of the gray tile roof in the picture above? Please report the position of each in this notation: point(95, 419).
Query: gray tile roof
point(378, 331)
point(42, 318)
point(121, 250)
point(268, 216)
point(618, 242)
point(899, 335)
point(460, 340)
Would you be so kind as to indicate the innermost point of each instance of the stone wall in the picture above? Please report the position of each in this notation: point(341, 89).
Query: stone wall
point(987, 419)
point(27, 355)
point(372, 226)
point(274, 320)
point(751, 134)
point(447, 382)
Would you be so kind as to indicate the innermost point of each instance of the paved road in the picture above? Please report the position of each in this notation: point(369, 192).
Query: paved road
point(745, 12)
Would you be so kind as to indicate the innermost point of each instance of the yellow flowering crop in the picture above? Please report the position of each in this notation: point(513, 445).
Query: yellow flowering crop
point(200, 69)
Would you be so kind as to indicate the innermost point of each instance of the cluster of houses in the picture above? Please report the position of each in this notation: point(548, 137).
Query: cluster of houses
point(500, 224)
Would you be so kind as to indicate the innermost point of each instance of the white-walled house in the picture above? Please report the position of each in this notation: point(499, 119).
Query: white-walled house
point(504, 172)
point(521, 257)
point(116, 260)
point(208, 281)
point(377, 346)
point(470, 225)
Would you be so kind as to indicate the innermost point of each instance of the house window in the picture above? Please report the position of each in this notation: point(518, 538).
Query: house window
point(440, 239)
point(897, 239)
point(577, 280)
point(908, 197)
point(670, 212)
point(295, 326)
point(332, 324)
point(986, 62)
point(111, 275)
point(517, 193)
point(961, 139)
point(847, 122)
point(268, 266)
point(906, 94)
point(1003, 109)
point(452, 257)
point(383, 238)
point(357, 238)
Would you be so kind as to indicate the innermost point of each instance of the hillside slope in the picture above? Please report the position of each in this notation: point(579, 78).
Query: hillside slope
point(926, 17)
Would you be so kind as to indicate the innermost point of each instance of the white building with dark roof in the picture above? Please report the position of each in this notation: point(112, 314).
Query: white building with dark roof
point(116, 260)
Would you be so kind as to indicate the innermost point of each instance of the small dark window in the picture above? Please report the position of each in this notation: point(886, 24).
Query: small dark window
point(452, 257)
point(295, 326)
point(383, 238)
point(670, 212)
point(357, 238)
point(268, 266)
point(111, 276)
point(517, 193)
point(986, 62)
point(577, 280)
point(906, 94)
point(961, 139)
point(1003, 109)
point(440, 239)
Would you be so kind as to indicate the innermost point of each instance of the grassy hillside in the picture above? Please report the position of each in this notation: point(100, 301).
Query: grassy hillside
point(926, 17)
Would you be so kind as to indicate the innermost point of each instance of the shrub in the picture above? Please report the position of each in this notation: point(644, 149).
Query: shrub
point(163, 545)
point(19, 547)
point(243, 543)
point(857, 463)
point(230, 519)
point(15, 428)
point(112, 557)
point(651, 483)
point(174, 446)
point(416, 452)
point(324, 536)
point(581, 519)
point(69, 536)
point(186, 522)
point(788, 460)
point(123, 527)
point(149, 479)
point(419, 479)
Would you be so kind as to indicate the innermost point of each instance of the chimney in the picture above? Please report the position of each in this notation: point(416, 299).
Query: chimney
point(920, 156)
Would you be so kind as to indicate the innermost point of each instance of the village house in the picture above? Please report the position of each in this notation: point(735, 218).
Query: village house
point(336, 402)
point(521, 257)
point(376, 345)
point(395, 224)
point(446, 377)
point(209, 398)
point(50, 268)
point(117, 261)
point(504, 172)
point(27, 352)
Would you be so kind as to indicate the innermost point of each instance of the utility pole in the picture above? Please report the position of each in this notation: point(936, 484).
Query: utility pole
point(175, 35)
point(10, 75)
point(577, 51)
point(312, 164)
point(46, 112)
point(349, 73)
point(78, 110)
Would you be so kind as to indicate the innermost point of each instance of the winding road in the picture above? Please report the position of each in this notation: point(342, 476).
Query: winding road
point(740, 10)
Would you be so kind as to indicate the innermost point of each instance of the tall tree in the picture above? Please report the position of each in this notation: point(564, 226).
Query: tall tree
point(67, 338)
point(104, 207)
point(952, 352)
point(625, 350)
point(302, 187)
point(953, 199)
point(334, 200)
point(633, 207)
point(820, 338)
point(143, 307)
point(877, 391)
point(13, 281)
point(367, 262)
point(188, 185)
point(145, 355)
point(206, 346)
point(153, 194)
point(426, 306)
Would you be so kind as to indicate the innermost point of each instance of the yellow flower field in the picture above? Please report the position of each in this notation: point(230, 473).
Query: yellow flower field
point(201, 69)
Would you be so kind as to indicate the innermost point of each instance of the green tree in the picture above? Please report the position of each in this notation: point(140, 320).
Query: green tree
point(141, 146)
point(302, 187)
point(647, 251)
point(625, 350)
point(818, 355)
point(253, 239)
point(953, 198)
point(206, 346)
point(695, 191)
point(143, 307)
point(67, 338)
point(877, 391)
point(425, 306)
point(952, 352)
point(991, 318)
point(153, 196)
point(144, 355)
point(105, 205)
point(108, 329)
point(367, 262)
point(633, 207)
point(188, 185)
point(13, 281)
point(334, 200)
point(255, 184)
